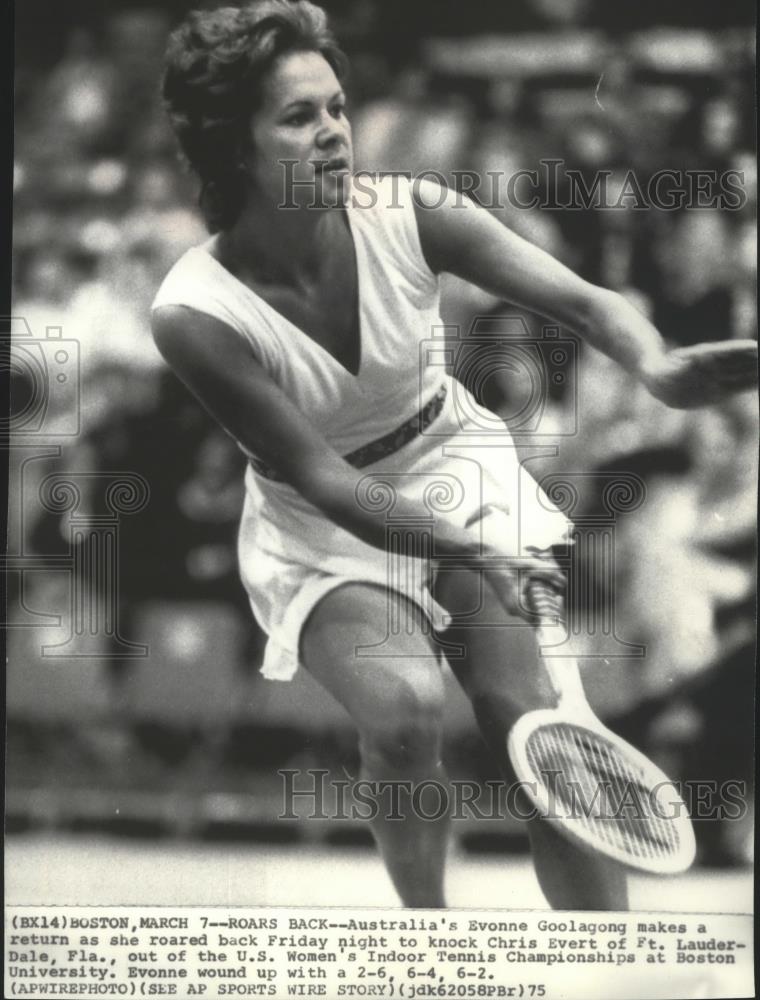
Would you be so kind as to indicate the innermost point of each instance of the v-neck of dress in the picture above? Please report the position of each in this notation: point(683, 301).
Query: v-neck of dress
point(262, 302)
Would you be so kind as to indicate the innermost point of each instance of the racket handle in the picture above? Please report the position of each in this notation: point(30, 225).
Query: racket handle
point(546, 602)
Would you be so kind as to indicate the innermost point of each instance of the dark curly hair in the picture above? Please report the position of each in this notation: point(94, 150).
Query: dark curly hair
point(216, 61)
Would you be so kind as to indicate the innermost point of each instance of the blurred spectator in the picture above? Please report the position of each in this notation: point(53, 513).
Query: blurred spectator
point(693, 255)
point(76, 99)
point(413, 129)
point(210, 502)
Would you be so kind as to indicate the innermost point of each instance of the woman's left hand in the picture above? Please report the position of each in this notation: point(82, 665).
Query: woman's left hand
point(510, 582)
point(689, 377)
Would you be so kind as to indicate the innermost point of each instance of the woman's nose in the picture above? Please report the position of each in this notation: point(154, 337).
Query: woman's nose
point(331, 130)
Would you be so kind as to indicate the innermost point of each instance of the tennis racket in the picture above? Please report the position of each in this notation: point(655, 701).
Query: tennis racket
point(597, 789)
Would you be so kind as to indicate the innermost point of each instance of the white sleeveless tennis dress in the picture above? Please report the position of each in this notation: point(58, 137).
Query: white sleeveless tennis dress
point(453, 461)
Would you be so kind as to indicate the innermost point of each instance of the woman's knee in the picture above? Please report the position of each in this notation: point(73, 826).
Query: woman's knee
point(396, 695)
point(407, 727)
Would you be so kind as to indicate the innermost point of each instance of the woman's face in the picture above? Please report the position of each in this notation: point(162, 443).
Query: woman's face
point(302, 153)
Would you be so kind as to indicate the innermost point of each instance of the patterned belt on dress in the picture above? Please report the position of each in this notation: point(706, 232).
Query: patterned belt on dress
point(370, 453)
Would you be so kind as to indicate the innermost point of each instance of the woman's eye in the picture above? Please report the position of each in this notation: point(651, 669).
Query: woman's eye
point(299, 118)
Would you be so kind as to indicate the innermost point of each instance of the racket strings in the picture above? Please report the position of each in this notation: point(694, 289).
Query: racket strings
point(592, 784)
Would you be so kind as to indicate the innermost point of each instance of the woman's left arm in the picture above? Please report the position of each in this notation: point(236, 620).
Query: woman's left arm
point(462, 238)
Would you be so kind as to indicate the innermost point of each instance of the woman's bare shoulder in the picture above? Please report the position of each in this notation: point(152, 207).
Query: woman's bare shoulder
point(182, 331)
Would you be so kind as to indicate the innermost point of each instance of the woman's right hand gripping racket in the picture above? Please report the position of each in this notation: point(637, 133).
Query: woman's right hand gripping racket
point(594, 787)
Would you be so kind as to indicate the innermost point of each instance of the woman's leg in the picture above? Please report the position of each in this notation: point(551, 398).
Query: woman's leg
point(396, 700)
point(502, 674)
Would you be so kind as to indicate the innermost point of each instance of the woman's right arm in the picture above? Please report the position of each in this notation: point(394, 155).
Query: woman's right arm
point(219, 368)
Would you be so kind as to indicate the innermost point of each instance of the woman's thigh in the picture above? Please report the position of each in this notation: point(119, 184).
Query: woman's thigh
point(500, 669)
point(381, 675)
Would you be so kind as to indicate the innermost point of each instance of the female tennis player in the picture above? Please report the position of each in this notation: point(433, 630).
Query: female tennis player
point(298, 325)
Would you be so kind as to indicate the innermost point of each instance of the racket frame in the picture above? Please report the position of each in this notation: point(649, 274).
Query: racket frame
point(574, 710)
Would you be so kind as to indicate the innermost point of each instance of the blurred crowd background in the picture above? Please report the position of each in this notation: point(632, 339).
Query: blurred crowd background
point(187, 741)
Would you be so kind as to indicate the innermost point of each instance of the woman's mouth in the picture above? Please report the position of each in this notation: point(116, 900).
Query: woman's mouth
point(338, 164)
